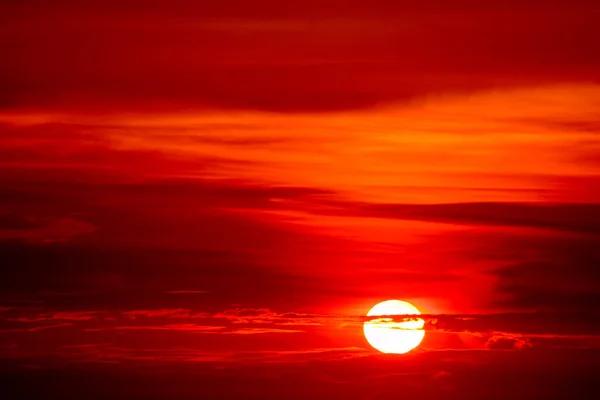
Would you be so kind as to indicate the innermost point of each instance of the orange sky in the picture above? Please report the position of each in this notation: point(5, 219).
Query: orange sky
point(443, 148)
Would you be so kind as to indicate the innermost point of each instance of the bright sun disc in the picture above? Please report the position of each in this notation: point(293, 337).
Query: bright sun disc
point(389, 336)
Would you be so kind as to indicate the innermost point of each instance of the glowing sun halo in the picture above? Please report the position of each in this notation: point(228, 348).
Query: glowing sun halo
point(389, 336)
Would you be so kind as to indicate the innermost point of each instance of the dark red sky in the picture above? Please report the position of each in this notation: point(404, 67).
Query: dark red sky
point(203, 199)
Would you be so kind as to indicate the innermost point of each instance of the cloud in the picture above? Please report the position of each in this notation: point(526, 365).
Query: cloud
point(501, 342)
point(194, 328)
point(247, 62)
point(187, 292)
point(553, 273)
point(258, 331)
point(565, 323)
point(106, 352)
point(190, 374)
point(489, 330)
point(577, 217)
point(60, 315)
point(36, 328)
point(174, 327)
point(252, 316)
point(42, 229)
point(174, 313)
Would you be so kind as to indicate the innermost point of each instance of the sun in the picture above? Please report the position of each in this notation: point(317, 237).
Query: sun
point(390, 336)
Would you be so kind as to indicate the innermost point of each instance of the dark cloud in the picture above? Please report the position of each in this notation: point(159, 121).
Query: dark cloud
point(338, 372)
point(535, 324)
point(171, 328)
point(178, 347)
point(207, 232)
point(42, 230)
point(310, 57)
point(17, 222)
point(173, 313)
point(75, 152)
point(111, 278)
point(187, 292)
point(519, 323)
point(554, 273)
point(576, 217)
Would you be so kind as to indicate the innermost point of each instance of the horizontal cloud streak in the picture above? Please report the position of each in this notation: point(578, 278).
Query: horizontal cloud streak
point(247, 321)
point(574, 217)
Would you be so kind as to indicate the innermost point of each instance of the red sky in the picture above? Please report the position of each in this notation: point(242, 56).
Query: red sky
point(215, 194)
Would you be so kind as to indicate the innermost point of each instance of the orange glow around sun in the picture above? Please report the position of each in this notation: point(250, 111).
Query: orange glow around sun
point(388, 336)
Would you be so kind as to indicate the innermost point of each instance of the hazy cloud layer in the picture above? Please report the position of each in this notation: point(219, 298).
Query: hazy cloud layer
point(317, 56)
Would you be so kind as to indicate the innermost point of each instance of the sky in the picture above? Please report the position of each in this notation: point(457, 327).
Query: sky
point(203, 199)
